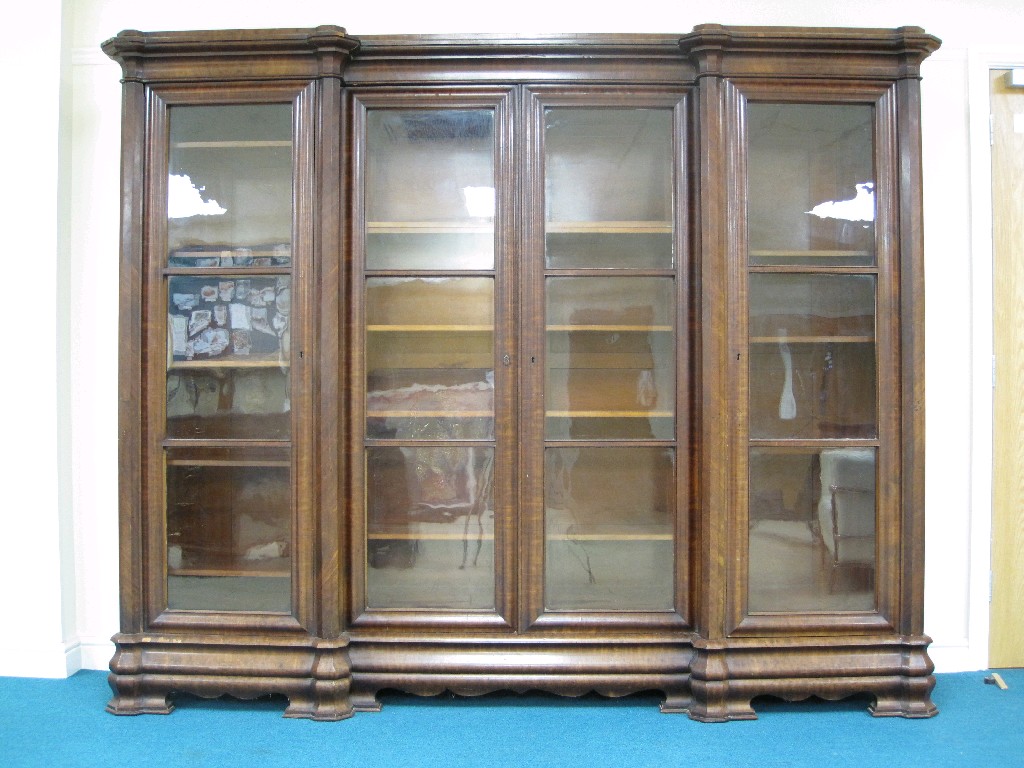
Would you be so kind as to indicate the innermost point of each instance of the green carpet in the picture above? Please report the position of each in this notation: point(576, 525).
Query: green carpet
point(62, 723)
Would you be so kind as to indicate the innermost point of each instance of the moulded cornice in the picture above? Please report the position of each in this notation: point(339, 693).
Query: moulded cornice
point(240, 54)
point(753, 51)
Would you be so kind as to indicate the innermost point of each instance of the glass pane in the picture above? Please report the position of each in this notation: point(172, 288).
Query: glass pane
point(430, 189)
point(609, 520)
point(811, 194)
point(228, 356)
point(228, 403)
point(812, 356)
point(608, 187)
point(812, 529)
point(229, 192)
point(430, 358)
point(430, 527)
point(610, 363)
point(229, 531)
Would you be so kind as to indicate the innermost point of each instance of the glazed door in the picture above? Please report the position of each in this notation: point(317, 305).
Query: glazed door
point(605, 455)
point(521, 443)
point(231, 384)
point(821, 411)
point(433, 383)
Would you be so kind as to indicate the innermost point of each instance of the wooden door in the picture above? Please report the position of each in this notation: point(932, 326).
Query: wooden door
point(1006, 648)
point(604, 391)
point(432, 383)
point(814, 268)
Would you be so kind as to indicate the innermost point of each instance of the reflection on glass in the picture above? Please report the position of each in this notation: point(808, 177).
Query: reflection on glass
point(430, 358)
point(608, 187)
point(230, 185)
point(228, 403)
point(430, 189)
point(228, 342)
point(610, 363)
point(609, 521)
point(229, 533)
point(811, 193)
point(812, 529)
point(812, 356)
point(430, 527)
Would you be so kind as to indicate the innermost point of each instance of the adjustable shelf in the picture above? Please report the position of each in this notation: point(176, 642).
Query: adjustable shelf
point(428, 228)
point(810, 254)
point(233, 567)
point(608, 227)
point(415, 536)
point(424, 328)
point(613, 328)
point(429, 414)
point(609, 414)
point(610, 537)
point(824, 339)
point(228, 463)
point(234, 144)
point(253, 361)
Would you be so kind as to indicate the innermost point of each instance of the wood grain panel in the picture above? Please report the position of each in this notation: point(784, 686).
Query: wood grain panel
point(1006, 649)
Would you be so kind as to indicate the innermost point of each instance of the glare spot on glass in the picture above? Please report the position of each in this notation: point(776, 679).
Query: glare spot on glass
point(479, 201)
point(860, 208)
point(185, 199)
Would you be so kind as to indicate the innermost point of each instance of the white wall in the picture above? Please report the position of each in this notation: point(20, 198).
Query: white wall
point(38, 561)
point(61, 485)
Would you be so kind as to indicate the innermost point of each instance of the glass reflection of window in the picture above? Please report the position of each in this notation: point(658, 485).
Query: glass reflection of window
point(811, 184)
point(429, 189)
point(185, 199)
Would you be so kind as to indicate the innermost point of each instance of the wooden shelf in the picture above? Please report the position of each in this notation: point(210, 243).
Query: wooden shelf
point(810, 254)
point(428, 228)
point(228, 463)
point(810, 445)
point(421, 328)
point(256, 252)
point(609, 328)
point(233, 144)
point(610, 537)
point(476, 536)
point(812, 339)
point(240, 361)
point(470, 535)
point(608, 227)
point(429, 414)
point(223, 564)
point(209, 273)
point(603, 414)
point(229, 571)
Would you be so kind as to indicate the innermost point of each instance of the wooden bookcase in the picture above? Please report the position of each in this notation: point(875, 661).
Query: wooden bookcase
point(573, 363)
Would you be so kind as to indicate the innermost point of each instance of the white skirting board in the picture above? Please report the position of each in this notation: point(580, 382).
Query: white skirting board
point(53, 660)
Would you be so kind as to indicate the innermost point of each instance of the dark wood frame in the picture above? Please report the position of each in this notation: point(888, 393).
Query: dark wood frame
point(500, 101)
point(711, 658)
point(533, 615)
